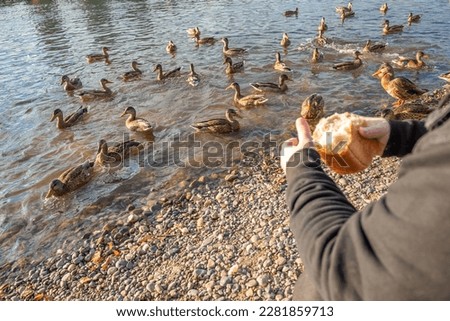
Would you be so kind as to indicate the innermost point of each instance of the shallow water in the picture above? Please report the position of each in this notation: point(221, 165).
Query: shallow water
point(43, 40)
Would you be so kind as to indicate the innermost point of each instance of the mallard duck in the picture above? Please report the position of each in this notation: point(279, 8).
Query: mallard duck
point(280, 65)
point(171, 47)
point(290, 13)
point(246, 101)
point(413, 18)
point(384, 8)
point(320, 40)
point(387, 29)
point(136, 124)
point(322, 26)
point(348, 8)
point(192, 32)
point(134, 74)
point(231, 51)
point(233, 67)
point(70, 120)
point(204, 41)
point(220, 125)
point(400, 88)
point(376, 47)
point(317, 56)
point(106, 92)
point(285, 42)
point(161, 76)
point(98, 57)
point(71, 179)
point(390, 114)
point(350, 65)
point(115, 153)
point(269, 86)
point(71, 84)
point(313, 110)
point(347, 14)
point(194, 78)
point(411, 62)
point(445, 76)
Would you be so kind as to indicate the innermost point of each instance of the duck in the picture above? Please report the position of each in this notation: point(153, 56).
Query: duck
point(348, 8)
point(317, 56)
point(413, 18)
point(71, 179)
point(192, 32)
point(98, 57)
point(246, 101)
point(231, 51)
point(400, 88)
point(161, 76)
point(70, 120)
point(347, 14)
point(373, 47)
point(350, 65)
point(280, 65)
point(193, 78)
point(171, 47)
point(445, 76)
point(220, 125)
point(412, 63)
point(281, 87)
point(134, 74)
point(384, 8)
point(204, 41)
point(322, 26)
point(390, 114)
point(312, 110)
point(320, 40)
point(233, 67)
point(285, 42)
point(105, 92)
point(116, 152)
point(136, 124)
point(71, 84)
point(290, 13)
point(387, 29)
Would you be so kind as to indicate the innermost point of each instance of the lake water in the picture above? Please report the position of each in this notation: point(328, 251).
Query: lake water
point(42, 40)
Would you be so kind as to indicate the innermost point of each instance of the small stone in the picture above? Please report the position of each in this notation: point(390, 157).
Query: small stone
point(249, 293)
point(224, 281)
point(263, 280)
point(132, 218)
point(233, 270)
point(252, 283)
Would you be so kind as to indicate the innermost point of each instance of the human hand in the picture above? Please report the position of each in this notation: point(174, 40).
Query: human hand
point(376, 128)
point(294, 144)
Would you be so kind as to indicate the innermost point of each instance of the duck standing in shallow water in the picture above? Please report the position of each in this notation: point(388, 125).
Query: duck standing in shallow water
point(350, 65)
point(232, 67)
point(231, 51)
point(400, 88)
point(161, 76)
point(105, 92)
point(220, 125)
point(281, 87)
point(70, 120)
point(71, 179)
point(71, 84)
point(134, 74)
point(246, 101)
point(104, 56)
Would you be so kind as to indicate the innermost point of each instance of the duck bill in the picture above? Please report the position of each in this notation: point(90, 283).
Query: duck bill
point(49, 193)
point(376, 73)
point(53, 117)
point(229, 87)
point(123, 114)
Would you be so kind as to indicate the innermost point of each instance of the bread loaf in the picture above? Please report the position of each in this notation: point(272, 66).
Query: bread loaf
point(341, 146)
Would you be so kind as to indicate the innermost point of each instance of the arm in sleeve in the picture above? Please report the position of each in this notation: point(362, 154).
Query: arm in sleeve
point(403, 137)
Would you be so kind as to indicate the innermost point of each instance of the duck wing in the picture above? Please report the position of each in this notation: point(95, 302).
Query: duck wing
point(218, 125)
point(172, 73)
point(75, 116)
point(405, 88)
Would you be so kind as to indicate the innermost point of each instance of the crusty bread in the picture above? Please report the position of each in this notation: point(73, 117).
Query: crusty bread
point(341, 146)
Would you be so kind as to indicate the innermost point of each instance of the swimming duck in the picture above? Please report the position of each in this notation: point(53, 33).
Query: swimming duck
point(194, 78)
point(233, 67)
point(400, 88)
point(161, 76)
point(390, 114)
point(322, 26)
point(171, 47)
point(71, 84)
point(347, 14)
point(384, 8)
point(115, 153)
point(317, 56)
point(70, 120)
point(387, 29)
point(269, 86)
point(313, 110)
point(348, 8)
point(136, 124)
point(285, 42)
point(231, 51)
point(413, 18)
point(192, 32)
point(320, 40)
point(412, 63)
point(246, 101)
point(280, 65)
point(290, 13)
point(98, 57)
point(350, 65)
point(220, 125)
point(106, 92)
point(445, 76)
point(71, 179)
point(204, 41)
point(376, 47)
point(134, 74)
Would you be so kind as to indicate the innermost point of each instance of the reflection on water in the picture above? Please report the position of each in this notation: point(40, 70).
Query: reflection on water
point(46, 39)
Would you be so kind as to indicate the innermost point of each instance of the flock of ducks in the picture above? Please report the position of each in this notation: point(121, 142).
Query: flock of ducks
point(312, 107)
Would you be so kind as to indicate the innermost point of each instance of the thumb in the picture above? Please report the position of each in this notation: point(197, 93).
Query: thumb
point(303, 129)
point(374, 131)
